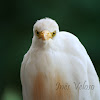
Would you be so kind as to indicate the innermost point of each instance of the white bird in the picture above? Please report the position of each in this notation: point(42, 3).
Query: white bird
point(57, 66)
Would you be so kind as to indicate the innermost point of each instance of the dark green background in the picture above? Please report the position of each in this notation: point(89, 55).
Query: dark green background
point(80, 17)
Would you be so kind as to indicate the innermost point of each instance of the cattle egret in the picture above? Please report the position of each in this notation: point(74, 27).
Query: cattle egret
point(57, 66)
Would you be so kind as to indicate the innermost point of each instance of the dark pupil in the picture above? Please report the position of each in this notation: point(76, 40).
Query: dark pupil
point(37, 32)
point(53, 33)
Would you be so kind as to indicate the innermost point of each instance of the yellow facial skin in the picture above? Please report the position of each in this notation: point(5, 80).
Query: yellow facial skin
point(45, 34)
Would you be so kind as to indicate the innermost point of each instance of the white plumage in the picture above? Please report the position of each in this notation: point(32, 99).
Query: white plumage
point(57, 66)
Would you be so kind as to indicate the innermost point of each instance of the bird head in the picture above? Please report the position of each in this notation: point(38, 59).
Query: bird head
point(45, 29)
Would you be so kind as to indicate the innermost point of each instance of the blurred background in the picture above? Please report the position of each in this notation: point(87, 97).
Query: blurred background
point(17, 17)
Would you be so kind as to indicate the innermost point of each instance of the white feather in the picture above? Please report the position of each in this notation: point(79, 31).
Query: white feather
point(63, 55)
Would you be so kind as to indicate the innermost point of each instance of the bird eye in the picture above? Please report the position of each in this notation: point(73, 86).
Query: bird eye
point(54, 33)
point(37, 32)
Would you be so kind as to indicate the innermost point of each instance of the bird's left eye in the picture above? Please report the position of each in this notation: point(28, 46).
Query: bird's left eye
point(54, 33)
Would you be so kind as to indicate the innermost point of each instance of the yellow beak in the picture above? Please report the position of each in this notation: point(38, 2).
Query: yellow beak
point(45, 35)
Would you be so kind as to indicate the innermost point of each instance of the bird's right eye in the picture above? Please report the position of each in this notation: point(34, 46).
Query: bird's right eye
point(37, 32)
